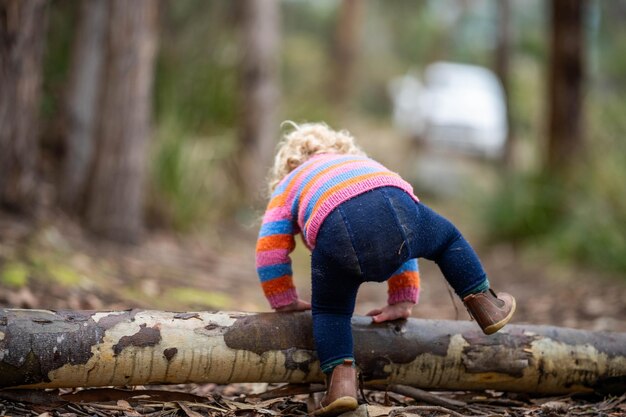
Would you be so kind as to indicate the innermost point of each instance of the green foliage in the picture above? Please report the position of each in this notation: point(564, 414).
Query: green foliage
point(608, 37)
point(189, 180)
point(576, 223)
point(527, 106)
point(532, 19)
point(595, 232)
point(526, 206)
point(406, 27)
point(196, 111)
point(64, 275)
point(52, 266)
point(305, 79)
point(167, 172)
point(202, 98)
point(582, 220)
point(315, 19)
point(56, 61)
point(14, 274)
point(195, 297)
point(197, 67)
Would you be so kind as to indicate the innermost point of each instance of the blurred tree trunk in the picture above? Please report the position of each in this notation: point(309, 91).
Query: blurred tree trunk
point(259, 92)
point(565, 136)
point(22, 39)
point(82, 101)
point(345, 50)
point(502, 69)
point(116, 193)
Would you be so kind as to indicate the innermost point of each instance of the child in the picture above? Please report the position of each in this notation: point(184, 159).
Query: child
point(362, 223)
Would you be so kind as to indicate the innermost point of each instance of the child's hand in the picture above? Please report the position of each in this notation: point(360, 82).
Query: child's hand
point(391, 312)
point(298, 305)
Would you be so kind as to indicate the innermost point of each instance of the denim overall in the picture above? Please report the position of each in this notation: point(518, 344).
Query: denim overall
point(367, 238)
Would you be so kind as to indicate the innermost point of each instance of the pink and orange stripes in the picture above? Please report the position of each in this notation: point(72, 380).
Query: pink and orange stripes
point(301, 202)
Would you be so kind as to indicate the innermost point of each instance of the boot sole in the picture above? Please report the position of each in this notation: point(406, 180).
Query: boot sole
point(339, 406)
point(497, 326)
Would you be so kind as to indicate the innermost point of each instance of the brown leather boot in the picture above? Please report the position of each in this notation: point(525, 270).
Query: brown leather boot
point(491, 312)
point(340, 394)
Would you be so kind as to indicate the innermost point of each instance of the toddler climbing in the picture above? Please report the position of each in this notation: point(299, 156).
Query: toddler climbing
point(362, 222)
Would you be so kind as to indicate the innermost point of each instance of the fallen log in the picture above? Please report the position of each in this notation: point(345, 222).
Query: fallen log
point(54, 349)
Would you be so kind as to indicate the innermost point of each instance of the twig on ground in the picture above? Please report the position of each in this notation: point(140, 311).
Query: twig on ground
point(420, 395)
point(289, 390)
point(416, 409)
point(498, 402)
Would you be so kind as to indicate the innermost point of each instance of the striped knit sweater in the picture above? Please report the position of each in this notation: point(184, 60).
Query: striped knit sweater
point(301, 202)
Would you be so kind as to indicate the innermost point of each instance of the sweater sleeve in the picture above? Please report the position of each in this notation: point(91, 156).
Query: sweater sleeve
point(276, 241)
point(404, 284)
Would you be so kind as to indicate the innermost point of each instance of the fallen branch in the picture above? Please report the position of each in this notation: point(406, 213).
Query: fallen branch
point(417, 394)
point(47, 349)
point(421, 395)
point(290, 390)
point(418, 409)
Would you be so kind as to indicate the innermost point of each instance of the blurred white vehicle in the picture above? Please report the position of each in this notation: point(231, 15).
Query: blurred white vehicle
point(457, 106)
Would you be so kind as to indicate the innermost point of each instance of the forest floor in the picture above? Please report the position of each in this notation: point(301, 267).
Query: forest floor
point(57, 266)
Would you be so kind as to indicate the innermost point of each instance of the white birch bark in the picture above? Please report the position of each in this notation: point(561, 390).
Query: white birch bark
point(44, 349)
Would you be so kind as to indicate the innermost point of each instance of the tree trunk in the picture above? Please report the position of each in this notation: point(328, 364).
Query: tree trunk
point(116, 194)
point(82, 101)
point(259, 92)
point(41, 349)
point(345, 50)
point(566, 84)
point(502, 69)
point(22, 38)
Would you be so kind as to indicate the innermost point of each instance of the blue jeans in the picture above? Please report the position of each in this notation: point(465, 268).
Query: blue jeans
point(367, 238)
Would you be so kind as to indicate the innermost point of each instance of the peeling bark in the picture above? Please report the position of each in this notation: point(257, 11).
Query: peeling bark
point(46, 349)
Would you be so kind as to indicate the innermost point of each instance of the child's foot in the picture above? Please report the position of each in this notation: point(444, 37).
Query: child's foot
point(340, 395)
point(491, 312)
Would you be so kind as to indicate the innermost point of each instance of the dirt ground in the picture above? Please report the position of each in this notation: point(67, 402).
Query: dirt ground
point(66, 269)
point(57, 266)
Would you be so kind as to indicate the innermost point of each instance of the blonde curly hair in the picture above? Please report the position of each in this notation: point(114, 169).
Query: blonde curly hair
point(304, 141)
